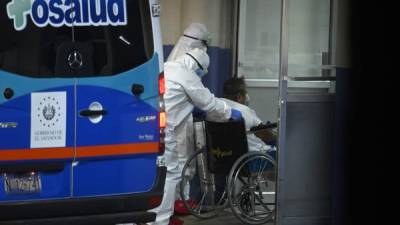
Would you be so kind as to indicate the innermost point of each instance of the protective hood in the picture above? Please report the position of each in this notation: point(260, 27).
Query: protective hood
point(192, 38)
point(197, 31)
point(195, 59)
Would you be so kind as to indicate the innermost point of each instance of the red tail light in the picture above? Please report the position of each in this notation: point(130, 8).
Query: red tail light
point(154, 201)
point(162, 118)
point(161, 84)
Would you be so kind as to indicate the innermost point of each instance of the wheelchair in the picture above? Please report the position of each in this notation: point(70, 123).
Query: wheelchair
point(222, 173)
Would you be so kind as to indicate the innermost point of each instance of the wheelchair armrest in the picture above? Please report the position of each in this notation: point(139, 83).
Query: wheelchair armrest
point(264, 126)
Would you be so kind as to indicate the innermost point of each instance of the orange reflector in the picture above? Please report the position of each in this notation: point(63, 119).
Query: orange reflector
point(162, 120)
point(161, 84)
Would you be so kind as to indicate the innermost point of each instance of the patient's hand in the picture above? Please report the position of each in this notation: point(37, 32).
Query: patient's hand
point(266, 135)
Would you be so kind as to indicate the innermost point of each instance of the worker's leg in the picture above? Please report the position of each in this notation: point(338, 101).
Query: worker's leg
point(166, 209)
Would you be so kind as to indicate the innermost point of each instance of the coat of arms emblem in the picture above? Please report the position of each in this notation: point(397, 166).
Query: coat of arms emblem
point(49, 111)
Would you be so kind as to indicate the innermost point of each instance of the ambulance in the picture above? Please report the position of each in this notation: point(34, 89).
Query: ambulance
point(81, 111)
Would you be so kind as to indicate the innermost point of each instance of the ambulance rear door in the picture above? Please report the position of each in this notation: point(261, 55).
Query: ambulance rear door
point(117, 128)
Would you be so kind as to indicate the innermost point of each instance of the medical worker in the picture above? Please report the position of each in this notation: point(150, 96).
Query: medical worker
point(194, 36)
point(184, 91)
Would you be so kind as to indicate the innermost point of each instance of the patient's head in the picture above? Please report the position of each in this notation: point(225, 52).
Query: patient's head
point(235, 89)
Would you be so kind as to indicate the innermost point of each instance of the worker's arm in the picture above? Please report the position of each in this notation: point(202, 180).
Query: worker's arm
point(202, 98)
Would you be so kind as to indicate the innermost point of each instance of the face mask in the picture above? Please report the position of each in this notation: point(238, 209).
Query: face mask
point(200, 72)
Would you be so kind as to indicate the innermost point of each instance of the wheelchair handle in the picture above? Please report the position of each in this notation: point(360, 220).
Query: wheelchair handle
point(264, 126)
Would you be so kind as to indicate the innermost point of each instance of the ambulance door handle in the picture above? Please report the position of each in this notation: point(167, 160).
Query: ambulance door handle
point(88, 112)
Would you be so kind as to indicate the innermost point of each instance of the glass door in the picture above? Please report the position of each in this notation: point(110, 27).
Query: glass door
point(258, 54)
point(285, 55)
point(309, 46)
point(306, 113)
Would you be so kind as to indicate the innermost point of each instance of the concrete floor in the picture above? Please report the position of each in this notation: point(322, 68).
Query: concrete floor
point(225, 218)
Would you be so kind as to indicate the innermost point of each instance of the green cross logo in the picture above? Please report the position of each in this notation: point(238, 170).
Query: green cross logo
point(17, 10)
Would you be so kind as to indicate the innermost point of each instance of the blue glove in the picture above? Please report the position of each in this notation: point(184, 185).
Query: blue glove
point(199, 113)
point(236, 115)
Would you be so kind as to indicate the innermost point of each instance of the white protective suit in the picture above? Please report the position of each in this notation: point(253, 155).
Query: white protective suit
point(193, 37)
point(184, 91)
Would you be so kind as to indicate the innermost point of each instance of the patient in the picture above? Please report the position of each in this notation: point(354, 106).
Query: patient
point(235, 95)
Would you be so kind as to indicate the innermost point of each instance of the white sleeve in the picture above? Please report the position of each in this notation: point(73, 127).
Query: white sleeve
point(202, 98)
point(255, 121)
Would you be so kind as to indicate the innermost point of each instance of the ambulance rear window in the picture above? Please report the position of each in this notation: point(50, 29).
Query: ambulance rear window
point(39, 39)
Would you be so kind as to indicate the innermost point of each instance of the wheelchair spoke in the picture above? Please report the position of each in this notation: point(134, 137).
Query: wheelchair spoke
point(250, 192)
point(243, 181)
point(221, 198)
point(253, 205)
point(202, 201)
point(261, 202)
point(262, 169)
point(201, 188)
point(197, 209)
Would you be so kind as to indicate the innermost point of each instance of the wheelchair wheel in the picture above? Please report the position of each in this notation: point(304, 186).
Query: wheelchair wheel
point(203, 193)
point(251, 188)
